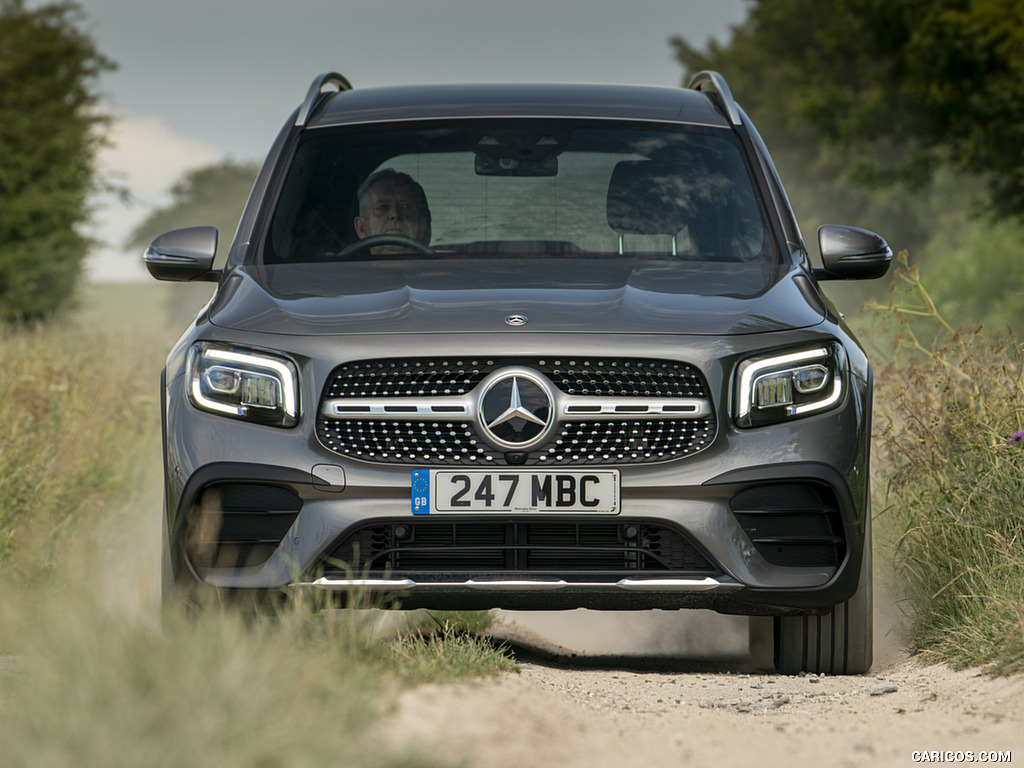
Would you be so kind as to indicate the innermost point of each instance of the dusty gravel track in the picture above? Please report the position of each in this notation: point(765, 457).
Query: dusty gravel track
point(569, 709)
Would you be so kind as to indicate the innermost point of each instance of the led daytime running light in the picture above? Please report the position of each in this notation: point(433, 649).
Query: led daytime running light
point(778, 379)
point(255, 382)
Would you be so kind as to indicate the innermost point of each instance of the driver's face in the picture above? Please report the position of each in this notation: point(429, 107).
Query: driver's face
point(391, 210)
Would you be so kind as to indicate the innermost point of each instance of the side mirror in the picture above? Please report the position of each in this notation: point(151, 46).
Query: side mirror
point(183, 255)
point(850, 253)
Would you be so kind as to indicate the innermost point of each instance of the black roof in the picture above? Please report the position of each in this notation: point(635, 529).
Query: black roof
point(637, 102)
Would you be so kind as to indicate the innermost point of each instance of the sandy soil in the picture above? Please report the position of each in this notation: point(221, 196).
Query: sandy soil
point(600, 706)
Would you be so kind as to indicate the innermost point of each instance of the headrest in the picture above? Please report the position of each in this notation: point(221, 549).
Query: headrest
point(647, 198)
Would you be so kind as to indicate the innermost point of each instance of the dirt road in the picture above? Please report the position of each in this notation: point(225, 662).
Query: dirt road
point(605, 708)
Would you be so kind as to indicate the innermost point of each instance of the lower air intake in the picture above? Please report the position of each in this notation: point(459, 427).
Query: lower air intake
point(462, 549)
point(235, 525)
point(792, 524)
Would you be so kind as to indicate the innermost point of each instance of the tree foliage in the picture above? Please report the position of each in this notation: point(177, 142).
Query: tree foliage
point(211, 195)
point(50, 132)
point(904, 87)
point(769, 82)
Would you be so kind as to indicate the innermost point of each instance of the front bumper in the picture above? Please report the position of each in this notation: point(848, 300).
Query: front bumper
point(260, 508)
point(684, 550)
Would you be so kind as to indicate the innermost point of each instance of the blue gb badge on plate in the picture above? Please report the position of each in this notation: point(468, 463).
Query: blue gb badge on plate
point(421, 492)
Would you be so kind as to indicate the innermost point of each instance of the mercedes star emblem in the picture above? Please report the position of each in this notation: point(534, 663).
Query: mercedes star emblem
point(515, 411)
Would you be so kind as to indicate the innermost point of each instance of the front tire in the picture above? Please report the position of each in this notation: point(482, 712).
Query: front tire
point(838, 642)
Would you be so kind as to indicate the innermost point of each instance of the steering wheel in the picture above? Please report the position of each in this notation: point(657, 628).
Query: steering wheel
point(374, 240)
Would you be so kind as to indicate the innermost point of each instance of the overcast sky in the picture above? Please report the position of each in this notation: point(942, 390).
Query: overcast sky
point(200, 80)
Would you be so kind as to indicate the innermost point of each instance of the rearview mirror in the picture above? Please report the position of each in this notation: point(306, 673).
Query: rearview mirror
point(183, 255)
point(850, 253)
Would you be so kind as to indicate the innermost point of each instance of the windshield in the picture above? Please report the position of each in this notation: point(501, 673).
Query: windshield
point(476, 188)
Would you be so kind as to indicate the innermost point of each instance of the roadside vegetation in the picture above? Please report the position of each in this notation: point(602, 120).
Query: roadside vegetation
point(92, 671)
point(52, 130)
point(87, 685)
point(949, 461)
point(75, 408)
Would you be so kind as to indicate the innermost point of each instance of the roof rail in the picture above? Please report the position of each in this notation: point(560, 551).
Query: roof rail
point(340, 83)
point(712, 82)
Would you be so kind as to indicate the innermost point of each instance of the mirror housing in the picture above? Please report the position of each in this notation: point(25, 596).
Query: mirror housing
point(183, 255)
point(851, 253)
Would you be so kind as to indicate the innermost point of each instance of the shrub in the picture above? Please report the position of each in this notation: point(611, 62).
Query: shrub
point(950, 445)
point(49, 137)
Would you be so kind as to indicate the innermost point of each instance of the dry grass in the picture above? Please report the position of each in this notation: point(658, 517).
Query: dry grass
point(950, 404)
point(93, 686)
point(92, 672)
point(76, 404)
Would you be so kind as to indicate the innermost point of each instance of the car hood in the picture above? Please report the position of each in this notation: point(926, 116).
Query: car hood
point(553, 295)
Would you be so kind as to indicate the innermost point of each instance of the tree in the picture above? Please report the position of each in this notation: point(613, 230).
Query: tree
point(769, 84)
point(50, 131)
point(901, 116)
point(904, 87)
point(211, 195)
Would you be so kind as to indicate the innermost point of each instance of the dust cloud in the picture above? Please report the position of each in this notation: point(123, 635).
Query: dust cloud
point(697, 634)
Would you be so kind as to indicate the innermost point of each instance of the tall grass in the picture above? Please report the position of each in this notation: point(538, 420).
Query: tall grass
point(950, 448)
point(92, 672)
point(221, 689)
point(76, 405)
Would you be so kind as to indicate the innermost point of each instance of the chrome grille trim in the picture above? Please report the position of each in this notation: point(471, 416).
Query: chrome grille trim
point(466, 408)
point(635, 585)
point(399, 408)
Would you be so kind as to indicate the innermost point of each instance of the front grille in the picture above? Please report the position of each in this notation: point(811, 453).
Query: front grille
point(575, 376)
point(445, 550)
point(575, 443)
point(235, 525)
point(792, 524)
point(456, 444)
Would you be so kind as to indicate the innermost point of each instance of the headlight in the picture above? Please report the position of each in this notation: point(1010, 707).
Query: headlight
point(244, 384)
point(774, 388)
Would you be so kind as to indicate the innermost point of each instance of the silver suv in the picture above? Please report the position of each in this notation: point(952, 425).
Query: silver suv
point(526, 347)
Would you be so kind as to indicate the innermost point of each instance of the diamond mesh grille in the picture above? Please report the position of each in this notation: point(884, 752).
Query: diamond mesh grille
point(457, 376)
point(454, 443)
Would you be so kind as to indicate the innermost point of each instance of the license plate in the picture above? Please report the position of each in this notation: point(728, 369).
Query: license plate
point(443, 490)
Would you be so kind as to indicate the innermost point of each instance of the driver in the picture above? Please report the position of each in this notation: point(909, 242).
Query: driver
point(392, 203)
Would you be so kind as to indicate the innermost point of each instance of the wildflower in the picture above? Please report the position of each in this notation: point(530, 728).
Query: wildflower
point(1017, 438)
